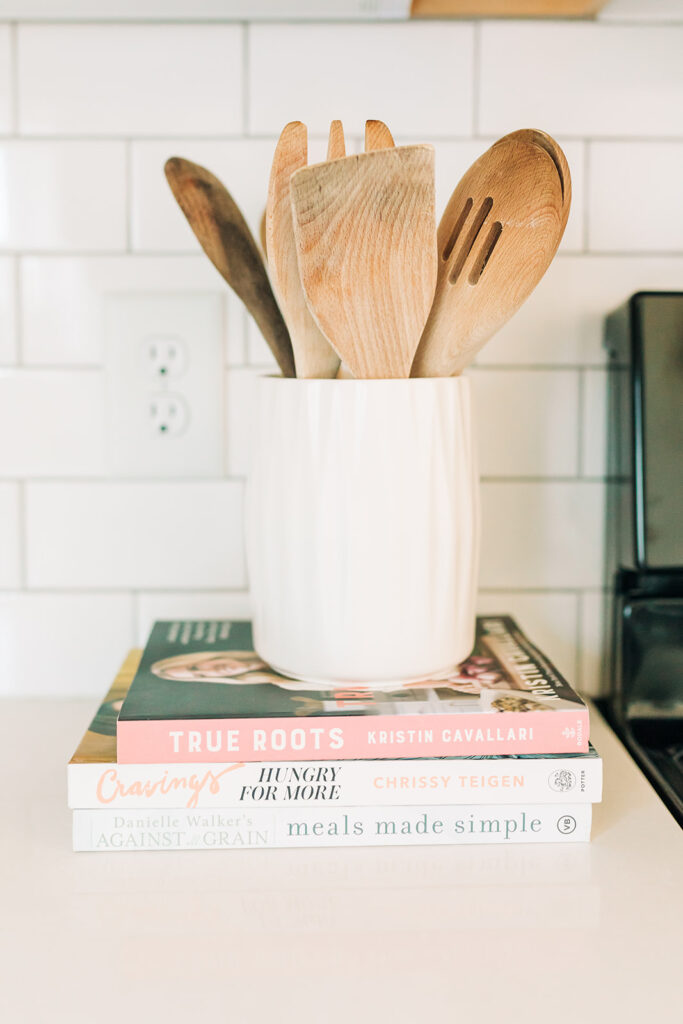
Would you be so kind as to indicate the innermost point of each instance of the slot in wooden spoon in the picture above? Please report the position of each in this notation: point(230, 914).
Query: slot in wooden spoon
point(313, 354)
point(223, 234)
point(365, 232)
point(497, 237)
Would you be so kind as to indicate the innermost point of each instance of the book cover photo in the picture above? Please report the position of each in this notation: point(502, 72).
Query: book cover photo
point(202, 694)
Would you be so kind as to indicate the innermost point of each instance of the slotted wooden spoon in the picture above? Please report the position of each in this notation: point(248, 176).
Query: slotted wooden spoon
point(496, 239)
point(556, 154)
point(365, 232)
point(223, 234)
point(313, 354)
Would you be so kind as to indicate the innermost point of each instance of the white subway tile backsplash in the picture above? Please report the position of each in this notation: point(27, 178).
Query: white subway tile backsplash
point(239, 418)
point(258, 353)
point(581, 79)
point(158, 223)
point(8, 318)
point(62, 645)
point(5, 80)
point(635, 197)
point(416, 77)
point(549, 620)
point(53, 287)
point(593, 669)
point(130, 79)
point(10, 537)
point(217, 604)
point(139, 535)
point(54, 423)
point(62, 195)
point(526, 422)
point(594, 424)
point(542, 535)
point(562, 323)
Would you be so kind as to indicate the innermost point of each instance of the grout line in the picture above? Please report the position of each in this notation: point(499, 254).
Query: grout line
point(246, 68)
point(580, 430)
point(143, 253)
point(476, 78)
point(237, 478)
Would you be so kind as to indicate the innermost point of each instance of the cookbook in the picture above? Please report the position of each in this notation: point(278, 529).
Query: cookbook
point(202, 694)
point(95, 780)
point(112, 831)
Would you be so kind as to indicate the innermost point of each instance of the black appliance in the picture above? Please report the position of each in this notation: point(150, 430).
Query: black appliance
point(644, 535)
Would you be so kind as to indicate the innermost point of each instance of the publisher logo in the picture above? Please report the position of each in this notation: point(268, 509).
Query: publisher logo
point(566, 824)
point(562, 780)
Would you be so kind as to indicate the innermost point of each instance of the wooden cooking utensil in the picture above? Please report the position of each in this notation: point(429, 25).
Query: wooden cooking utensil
point(313, 354)
point(336, 147)
point(226, 239)
point(365, 232)
point(556, 154)
point(496, 239)
point(377, 136)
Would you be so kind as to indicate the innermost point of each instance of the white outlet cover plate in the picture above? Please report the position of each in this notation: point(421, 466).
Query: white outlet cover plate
point(195, 320)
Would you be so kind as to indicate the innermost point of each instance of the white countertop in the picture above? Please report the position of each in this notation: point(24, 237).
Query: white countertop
point(471, 933)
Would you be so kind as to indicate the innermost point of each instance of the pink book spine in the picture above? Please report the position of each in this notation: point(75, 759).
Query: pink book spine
point(269, 739)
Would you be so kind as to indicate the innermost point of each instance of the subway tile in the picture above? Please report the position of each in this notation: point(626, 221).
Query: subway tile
point(130, 79)
point(8, 318)
point(158, 224)
point(216, 604)
point(546, 535)
point(593, 666)
point(548, 619)
point(10, 537)
point(62, 195)
point(594, 424)
point(138, 535)
point(563, 320)
point(239, 418)
point(526, 422)
point(55, 420)
point(635, 200)
point(52, 287)
point(452, 159)
point(62, 645)
point(581, 79)
point(5, 80)
point(416, 77)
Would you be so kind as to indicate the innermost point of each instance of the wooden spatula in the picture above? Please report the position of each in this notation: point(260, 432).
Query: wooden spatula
point(496, 239)
point(313, 355)
point(226, 239)
point(377, 136)
point(336, 147)
point(365, 232)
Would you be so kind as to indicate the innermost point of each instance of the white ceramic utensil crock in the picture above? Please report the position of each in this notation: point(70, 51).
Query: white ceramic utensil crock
point(362, 522)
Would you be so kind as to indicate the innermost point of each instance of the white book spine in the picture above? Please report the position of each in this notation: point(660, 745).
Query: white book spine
point(428, 782)
point(262, 828)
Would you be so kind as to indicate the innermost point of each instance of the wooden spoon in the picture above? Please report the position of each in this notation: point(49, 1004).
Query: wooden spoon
point(226, 239)
point(336, 147)
point(496, 239)
point(313, 354)
point(556, 154)
point(377, 136)
point(365, 232)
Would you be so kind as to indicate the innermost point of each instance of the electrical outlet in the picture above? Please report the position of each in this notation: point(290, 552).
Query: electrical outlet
point(164, 374)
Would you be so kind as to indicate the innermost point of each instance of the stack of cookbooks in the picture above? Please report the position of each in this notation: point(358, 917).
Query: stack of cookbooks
point(199, 745)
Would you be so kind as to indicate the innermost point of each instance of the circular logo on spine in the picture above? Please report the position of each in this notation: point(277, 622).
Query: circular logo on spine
point(562, 780)
point(566, 824)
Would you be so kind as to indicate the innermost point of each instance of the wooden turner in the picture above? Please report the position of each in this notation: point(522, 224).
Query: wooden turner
point(313, 354)
point(226, 239)
point(365, 231)
point(496, 239)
